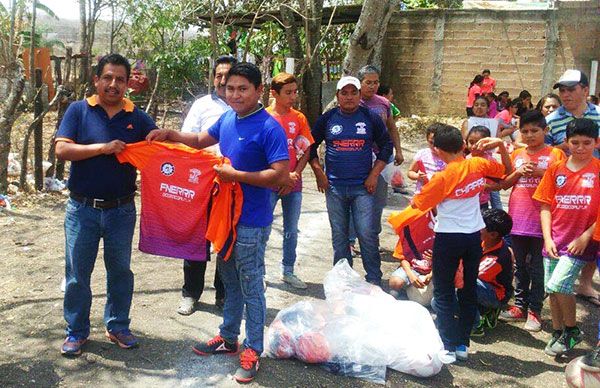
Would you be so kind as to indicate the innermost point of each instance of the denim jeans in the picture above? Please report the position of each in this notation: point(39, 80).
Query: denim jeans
point(380, 195)
point(291, 205)
point(448, 250)
point(84, 227)
point(354, 201)
point(242, 276)
point(529, 272)
point(495, 200)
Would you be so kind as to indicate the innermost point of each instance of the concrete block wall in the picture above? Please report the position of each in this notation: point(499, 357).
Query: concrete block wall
point(431, 56)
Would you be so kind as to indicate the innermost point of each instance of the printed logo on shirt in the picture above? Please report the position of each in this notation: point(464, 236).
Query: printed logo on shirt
point(588, 180)
point(573, 202)
point(361, 128)
point(167, 169)
point(519, 162)
point(349, 145)
point(290, 143)
point(194, 174)
point(292, 127)
point(543, 162)
point(177, 193)
point(130, 126)
point(475, 186)
point(560, 180)
point(336, 129)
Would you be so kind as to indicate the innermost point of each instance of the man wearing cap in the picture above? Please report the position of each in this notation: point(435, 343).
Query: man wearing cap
point(573, 89)
point(350, 131)
point(202, 115)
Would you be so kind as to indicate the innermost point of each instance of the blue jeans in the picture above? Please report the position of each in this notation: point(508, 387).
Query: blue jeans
point(242, 276)
point(495, 200)
point(344, 202)
point(84, 227)
point(380, 195)
point(290, 206)
point(486, 297)
point(448, 250)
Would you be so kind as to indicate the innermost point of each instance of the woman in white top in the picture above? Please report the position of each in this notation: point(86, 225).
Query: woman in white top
point(480, 117)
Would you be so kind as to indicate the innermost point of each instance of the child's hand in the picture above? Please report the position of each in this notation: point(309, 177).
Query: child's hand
point(427, 254)
point(489, 143)
point(422, 177)
point(415, 280)
point(577, 246)
point(551, 248)
point(526, 169)
point(427, 278)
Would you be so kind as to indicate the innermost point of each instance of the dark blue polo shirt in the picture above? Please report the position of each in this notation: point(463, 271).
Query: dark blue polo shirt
point(86, 122)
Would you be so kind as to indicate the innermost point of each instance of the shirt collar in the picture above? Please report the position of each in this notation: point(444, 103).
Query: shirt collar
point(563, 112)
point(127, 103)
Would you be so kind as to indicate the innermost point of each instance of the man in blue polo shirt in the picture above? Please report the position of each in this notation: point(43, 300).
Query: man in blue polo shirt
point(101, 203)
point(257, 147)
point(350, 131)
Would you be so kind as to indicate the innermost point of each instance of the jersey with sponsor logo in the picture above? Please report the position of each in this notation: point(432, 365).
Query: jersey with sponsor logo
point(455, 191)
point(524, 210)
point(573, 197)
point(176, 196)
point(296, 127)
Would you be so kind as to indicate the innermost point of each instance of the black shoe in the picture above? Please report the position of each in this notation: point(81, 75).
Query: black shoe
point(567, 341)
point(217, 345)
point(248, 366)
point(591, 361)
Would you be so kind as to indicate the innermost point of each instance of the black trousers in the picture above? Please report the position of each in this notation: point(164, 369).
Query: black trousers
point(193, 280)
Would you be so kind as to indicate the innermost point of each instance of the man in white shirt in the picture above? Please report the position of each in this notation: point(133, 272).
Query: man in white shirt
point(202, 115)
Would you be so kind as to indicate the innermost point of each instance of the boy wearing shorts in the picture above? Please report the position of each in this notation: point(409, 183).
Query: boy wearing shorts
point(569, 194)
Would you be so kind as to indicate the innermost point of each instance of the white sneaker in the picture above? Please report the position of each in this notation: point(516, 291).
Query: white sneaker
point(187, 305)
point(294, 281)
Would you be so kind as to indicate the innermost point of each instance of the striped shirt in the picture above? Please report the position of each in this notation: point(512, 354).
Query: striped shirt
point(558, 120)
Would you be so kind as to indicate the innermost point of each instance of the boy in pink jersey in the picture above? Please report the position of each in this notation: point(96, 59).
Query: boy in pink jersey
point(569, 193)
point(284, 89)
point(529, 165)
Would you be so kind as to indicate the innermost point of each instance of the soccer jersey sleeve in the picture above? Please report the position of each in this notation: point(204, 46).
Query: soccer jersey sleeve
point(67, 131)
point(275, 144)
point(434, 192)
point(546, 189)
point(318, 133)
point(491, 168)
point(138, 154)
point(305, 128)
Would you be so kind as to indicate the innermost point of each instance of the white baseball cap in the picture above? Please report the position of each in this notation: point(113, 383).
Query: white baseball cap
point(572, 77)
point(347, 80)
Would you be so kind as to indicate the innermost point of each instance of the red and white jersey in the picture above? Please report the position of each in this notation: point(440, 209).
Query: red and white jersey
point(176, 195)
point(455, 191)
point(573, 197)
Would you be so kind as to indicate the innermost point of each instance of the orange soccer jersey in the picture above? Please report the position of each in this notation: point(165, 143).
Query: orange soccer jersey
point(181, 201)
point(573, 197)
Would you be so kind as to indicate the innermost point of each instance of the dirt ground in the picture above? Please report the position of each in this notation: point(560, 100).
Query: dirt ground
point(32, 266)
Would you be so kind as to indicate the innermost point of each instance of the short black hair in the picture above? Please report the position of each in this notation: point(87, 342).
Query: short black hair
point(113, 59)
point(503, 93)
point(497, 220)
point(432, 129)
point(486, 71)
point(582, 127)
point(383, 89)
point(223, 59)
point(524, 94)
point(247, 70)
point(482, 129)
point(533, 117)
point(448, 138)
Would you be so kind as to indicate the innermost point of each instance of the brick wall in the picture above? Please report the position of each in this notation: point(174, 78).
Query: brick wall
point(431, 56)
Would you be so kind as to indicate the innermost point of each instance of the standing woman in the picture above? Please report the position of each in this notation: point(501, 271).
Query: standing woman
point(473, 92)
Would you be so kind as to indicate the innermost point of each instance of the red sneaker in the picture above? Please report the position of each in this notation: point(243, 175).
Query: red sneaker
point(513, 314)
point(248, 366)
point(534, 322)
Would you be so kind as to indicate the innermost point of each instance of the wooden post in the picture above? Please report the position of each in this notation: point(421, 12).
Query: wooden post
point(38, 132)
point(58, 71)
point(68, 59)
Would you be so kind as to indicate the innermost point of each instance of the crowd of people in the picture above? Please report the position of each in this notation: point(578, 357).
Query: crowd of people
point(544, 155)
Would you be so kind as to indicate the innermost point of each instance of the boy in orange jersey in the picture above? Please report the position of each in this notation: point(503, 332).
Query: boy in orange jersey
point(284, 89)
point(569, 193)
point(455, 191)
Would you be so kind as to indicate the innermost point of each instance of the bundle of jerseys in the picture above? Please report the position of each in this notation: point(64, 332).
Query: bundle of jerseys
point(184, 204)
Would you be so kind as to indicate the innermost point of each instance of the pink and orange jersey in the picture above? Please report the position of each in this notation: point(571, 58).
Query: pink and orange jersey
point(295, 124)
point(177, 185)
point(455, 191)
point(573, 197)
point(524, 210)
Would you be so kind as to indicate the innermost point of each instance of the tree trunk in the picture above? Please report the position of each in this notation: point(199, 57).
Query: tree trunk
point(313, 74)
point(293, 39)
point(7, 119)
point(376, 58)
point(32, 47)
point(38, 141)
point(84, 49)
point(370, 29)
point(68, 60)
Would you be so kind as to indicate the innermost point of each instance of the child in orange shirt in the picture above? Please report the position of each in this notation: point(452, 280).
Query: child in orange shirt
point(569, 194)
point(455, 192)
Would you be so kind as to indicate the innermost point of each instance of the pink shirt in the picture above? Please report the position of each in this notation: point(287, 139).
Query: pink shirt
point(505, 116)
point(488, 86)
point(429, 163)
point(472, 95)
point(523, 209)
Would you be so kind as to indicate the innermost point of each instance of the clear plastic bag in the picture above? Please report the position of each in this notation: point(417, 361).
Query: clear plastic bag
point(358, 331)
point(392, 174)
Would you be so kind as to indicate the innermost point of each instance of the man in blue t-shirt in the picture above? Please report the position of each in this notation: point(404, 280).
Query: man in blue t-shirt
point(350, 181)
point(257, 147)
point(101, 203)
